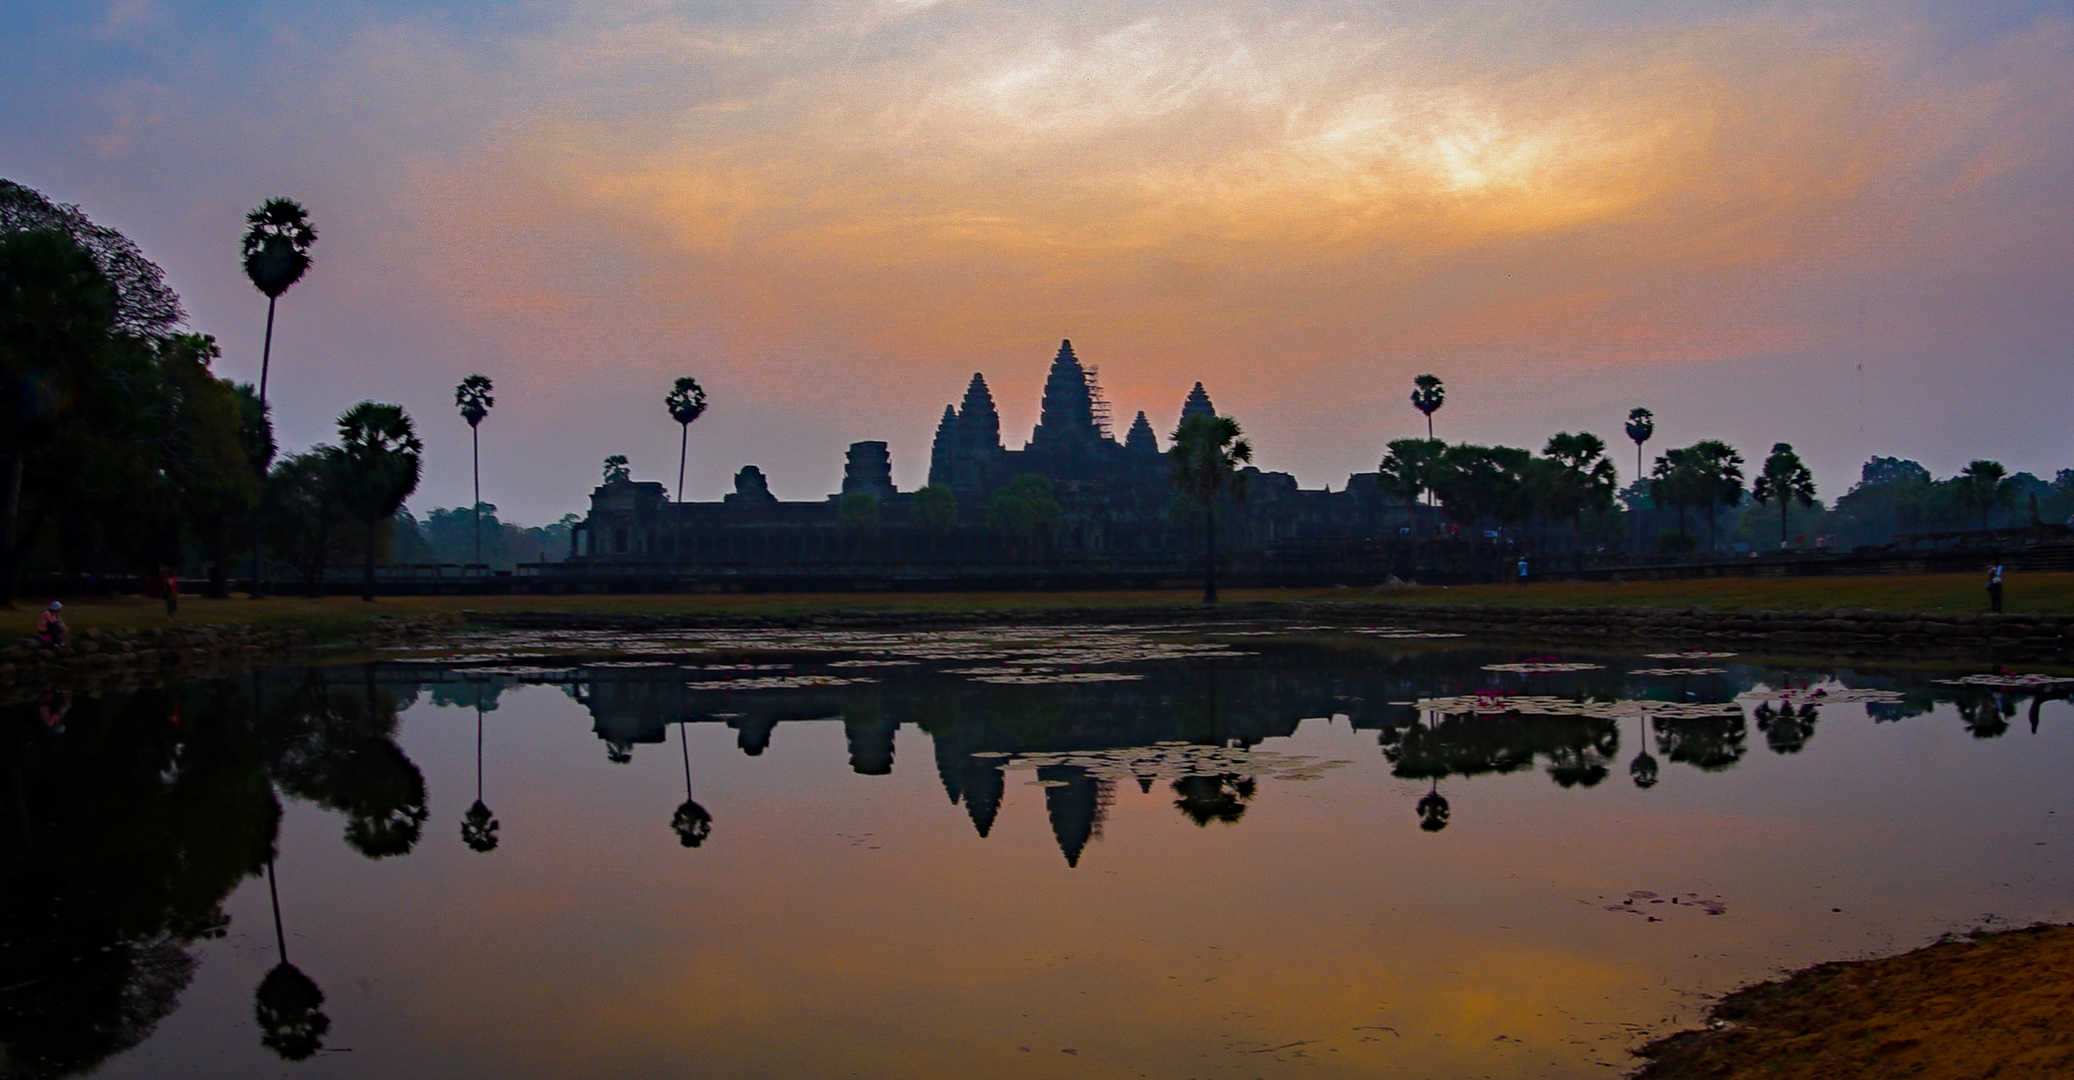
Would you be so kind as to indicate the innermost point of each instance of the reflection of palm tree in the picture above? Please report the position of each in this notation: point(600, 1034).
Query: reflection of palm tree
point(1213, 798)
point(479, 826)
point(1433, 809)
point(288, 1002)
point(1787, 729)
point(1988, 717)
point(691, 821)
point(1643, 769)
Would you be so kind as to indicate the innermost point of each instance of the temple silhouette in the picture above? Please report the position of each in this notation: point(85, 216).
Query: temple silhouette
point(1115, 504)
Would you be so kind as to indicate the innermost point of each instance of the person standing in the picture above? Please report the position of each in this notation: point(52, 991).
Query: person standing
point(170, 590)
point(1995, 586)
point(1523, 569)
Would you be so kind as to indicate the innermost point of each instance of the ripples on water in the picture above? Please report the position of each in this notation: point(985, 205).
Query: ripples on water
point(1187, 852)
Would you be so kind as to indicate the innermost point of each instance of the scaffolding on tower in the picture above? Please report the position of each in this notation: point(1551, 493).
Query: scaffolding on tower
point(1097, 405)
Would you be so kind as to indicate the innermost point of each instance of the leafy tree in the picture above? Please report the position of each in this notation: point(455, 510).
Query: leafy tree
point(1428, 394)
point(57, 320)
point(1786, 479)
point(306, 505)
point(1024, 509)
point(935, 507)
point(616, 471)
point(1641, 425)
point(276, 254)
point(206, 457)
point(687, 402)
point(858, 511)
point(1479, 483)
point(473, 398)
point(1407, 472)
point(382, 461)
point(1982, 486)
point(1204, 455)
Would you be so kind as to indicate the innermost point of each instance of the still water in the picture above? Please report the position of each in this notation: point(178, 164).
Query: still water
point(1050, 851)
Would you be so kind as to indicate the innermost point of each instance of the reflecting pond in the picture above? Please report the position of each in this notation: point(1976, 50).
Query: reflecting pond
point(1046, 851)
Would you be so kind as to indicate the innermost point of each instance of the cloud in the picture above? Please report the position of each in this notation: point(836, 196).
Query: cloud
point(835, 210)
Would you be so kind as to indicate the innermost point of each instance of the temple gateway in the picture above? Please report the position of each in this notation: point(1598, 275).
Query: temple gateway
point(1116, 510)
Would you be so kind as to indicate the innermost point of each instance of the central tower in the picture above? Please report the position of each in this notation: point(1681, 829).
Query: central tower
point(1068, 415)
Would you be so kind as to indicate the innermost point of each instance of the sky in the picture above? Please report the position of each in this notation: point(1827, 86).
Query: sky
point(1846, 226)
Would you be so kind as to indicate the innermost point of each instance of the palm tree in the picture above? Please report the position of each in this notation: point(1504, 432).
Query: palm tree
point(1983, 485)
point(383, 460)
point(1786, 479)
point(276, 251)
point(1641, 425)
point(1427, 396)
point(1581, 480)
point(1708, 473)
point(617, 470)
point(687, 402)
point(473, 398)
point(1205, 453)
point(691, 822)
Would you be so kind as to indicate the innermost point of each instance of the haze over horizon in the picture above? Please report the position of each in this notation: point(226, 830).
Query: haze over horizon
point(1846, 226)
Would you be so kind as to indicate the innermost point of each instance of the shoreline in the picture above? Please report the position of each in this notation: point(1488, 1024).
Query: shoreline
point(1985, 1004)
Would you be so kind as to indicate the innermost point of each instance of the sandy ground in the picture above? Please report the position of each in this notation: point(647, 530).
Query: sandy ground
point(1999, 1005)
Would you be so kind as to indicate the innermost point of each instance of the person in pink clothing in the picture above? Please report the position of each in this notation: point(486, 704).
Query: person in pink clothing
point(50, 626)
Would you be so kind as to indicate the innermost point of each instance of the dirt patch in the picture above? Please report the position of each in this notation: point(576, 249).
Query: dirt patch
point(1999, 1005)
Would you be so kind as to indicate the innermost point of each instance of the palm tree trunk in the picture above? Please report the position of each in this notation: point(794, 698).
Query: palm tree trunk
point(1783, 504)
point(475, 453)
point(683, 441)
point(367, 567)
point(13, 513)
point(266, 359)
point(1210, 551)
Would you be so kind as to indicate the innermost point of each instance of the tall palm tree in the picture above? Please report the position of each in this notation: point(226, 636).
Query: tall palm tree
point(1428, 395)
point(473, 398)
point(1786, 479)
point(691, 821)
point(383, 460)
point(276, 254)
point(1205, 456)
point(687, 402)
point(1641, 425)
point(1983, 485)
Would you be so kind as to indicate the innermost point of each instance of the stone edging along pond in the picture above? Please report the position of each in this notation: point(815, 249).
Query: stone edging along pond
point(2031, 637)
point(164, 653)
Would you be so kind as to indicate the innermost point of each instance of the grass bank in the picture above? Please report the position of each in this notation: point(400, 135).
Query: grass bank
point(1988, 1005)
point(340, 615)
